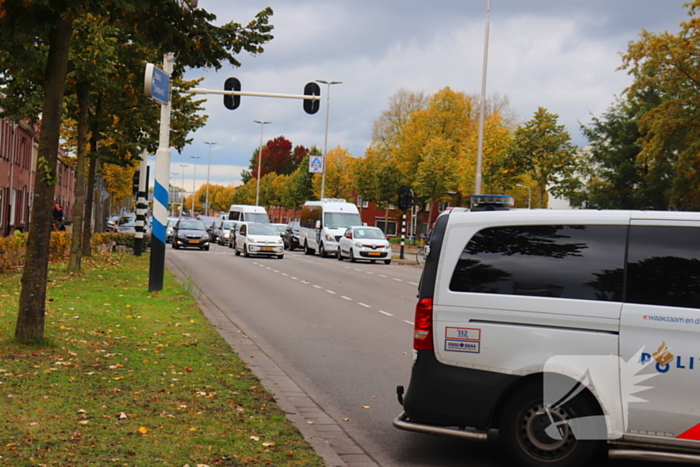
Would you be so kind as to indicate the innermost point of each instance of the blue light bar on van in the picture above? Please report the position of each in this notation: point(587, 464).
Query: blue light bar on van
point(505, 200)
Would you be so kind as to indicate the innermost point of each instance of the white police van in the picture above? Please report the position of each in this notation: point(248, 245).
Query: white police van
point(567, 331)
point(324, 222)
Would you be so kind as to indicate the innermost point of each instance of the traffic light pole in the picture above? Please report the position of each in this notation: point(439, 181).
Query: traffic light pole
point(403, 234)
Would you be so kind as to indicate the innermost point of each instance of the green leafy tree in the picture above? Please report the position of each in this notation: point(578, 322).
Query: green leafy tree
point(35, 40)
point(666, 65)
point(618, 177)
point(543, 149)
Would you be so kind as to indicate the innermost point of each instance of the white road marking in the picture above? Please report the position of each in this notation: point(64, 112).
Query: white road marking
point(294, 278)
point(413, 283)
point(407, 321)
point(397, 279)
point(346, 298)
point(382, 275)
point(285, 274)
point(317, 286)
point(385, 313)
point(369, 272)
point(364, 305)
point(330, 291)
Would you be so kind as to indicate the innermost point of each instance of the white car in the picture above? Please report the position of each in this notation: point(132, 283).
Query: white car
point(367, 243)
point(259, 239)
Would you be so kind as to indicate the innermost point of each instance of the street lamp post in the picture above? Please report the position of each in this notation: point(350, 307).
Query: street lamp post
point(325, 140)
point(482, 104)
point(194, 178)
point(208, 168)
point(172, 211)
point(257, 190)
point(529, 195)
point(182, 189)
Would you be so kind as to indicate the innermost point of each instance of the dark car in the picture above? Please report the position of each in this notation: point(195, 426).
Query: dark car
point(291, 236)
point(211, 223)
point(190, 233)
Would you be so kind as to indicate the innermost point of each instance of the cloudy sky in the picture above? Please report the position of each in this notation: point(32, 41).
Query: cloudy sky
point(559, 54)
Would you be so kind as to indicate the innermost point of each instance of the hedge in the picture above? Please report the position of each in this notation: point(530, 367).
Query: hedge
point(12, 248)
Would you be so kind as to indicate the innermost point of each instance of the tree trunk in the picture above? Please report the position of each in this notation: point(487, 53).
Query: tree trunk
point(83, 91)
point(90, 200)
point(32, 299)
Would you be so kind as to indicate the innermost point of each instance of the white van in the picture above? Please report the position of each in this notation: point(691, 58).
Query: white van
point(565, 330)
point(248, 213)
point(323, 222)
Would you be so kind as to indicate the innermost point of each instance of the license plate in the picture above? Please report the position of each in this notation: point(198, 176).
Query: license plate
point(194, 241)
point(267, 248)
point(374, 253)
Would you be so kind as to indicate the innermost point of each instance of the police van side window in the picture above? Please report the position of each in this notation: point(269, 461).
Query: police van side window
point(567, 261)
point(663, 266)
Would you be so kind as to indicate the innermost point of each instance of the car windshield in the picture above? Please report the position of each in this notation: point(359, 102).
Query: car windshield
point(371, 234)
point(256, 217)
point(258, 229)
point(294, 225)
point(227, 225)
point(341, 219)
point(208, 222)
point(127, 221)
point(280, 227)
point(192, 225)
point(172, 222)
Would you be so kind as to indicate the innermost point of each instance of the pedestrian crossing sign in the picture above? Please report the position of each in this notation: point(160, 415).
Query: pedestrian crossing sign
point(316, 164)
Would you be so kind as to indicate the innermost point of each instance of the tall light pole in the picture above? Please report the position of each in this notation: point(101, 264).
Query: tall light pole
point(182, 189)
point(194, 178)
point(257, 190)
point(208, 168)
point(482, 104)
point(172, 211)
point(325, 140)
point(529, 195)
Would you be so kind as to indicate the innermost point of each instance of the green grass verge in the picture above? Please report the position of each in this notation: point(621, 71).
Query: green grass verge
point(131, 378)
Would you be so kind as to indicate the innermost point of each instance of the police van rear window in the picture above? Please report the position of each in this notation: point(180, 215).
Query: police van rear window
point(567, 261)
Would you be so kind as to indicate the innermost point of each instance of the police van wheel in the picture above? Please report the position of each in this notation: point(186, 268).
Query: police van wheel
point(322, 251)
point(524, 421)
point(307, 250)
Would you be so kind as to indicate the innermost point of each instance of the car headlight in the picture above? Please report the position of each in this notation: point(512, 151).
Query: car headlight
point(205, 237)
point(181, 236)
point(330, 238)
point(358, 244)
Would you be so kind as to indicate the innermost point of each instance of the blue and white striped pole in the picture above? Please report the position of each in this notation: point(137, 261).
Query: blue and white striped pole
point(160, 190)
point(141, 205)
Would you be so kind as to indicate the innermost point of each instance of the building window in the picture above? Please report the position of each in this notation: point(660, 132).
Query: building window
point(389, 228)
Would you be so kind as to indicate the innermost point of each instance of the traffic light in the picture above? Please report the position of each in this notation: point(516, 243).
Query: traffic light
point(232, 101)
point(311, 106)
point(135, 183)
point(405, 198)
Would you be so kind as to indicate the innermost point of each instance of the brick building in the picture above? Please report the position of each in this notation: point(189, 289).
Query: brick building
point(19, 144)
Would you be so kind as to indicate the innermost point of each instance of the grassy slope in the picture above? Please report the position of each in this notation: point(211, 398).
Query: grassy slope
point(131, 378)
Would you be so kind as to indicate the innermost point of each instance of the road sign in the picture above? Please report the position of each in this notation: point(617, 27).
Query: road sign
point(156, 84)
point(316, 164)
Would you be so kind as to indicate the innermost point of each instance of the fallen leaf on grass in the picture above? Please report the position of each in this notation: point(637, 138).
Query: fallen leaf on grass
point(143, 430)
point(255, 438)
point(267, 445)
point(83, 422)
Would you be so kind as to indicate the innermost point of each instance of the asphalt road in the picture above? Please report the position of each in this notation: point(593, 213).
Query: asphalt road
point(343, 333)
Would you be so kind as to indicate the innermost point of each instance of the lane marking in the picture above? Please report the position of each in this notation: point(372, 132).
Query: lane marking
point(413, 283)
point(330, 292)
point(385, 313)
point(285, 274)
point(346, 298)
point(382, 275)
point(364, 305)
point(317, 286)
point(397, 279)
point(407, 321)
point(294, 278)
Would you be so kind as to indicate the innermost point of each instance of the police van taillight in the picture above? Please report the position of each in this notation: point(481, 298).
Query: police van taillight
point(423, 327)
